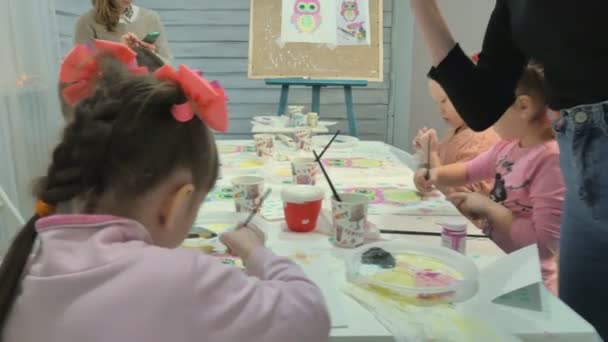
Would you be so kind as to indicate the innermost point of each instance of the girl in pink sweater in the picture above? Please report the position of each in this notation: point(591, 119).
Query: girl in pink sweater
point(122, 192)
point(525, 206)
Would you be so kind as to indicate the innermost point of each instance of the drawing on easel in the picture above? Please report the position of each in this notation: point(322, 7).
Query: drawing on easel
point(353, 22)
point(307, 15)
point(308, 21)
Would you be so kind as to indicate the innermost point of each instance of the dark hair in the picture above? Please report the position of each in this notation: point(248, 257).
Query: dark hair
point(145, 58)
point(123, 138)
point(532, 83)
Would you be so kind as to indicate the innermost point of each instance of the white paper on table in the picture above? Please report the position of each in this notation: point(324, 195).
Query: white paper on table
point(316, 265)
point(352, 20)
point(510, 273)
point(308, 21)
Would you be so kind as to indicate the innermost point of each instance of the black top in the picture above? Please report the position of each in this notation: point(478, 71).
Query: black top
point(569, 38)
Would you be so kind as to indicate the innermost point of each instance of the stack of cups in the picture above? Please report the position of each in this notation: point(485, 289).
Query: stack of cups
point(248, 192)
point(349, 218)
point(302, 205)
point(264, 145)
point(291, 114)
point(304, 171)
point(303, 138)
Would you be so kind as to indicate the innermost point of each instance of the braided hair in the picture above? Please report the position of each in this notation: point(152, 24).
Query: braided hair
point(123, 138)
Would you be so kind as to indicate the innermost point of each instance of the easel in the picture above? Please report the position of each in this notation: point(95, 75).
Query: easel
point(316, 85)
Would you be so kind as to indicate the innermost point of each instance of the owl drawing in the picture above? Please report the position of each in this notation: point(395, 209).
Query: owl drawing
point(350, 10)
point(306, 15)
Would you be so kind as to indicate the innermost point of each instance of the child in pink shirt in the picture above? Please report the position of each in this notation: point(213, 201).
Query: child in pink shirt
point(122, 192)
point(525, 206)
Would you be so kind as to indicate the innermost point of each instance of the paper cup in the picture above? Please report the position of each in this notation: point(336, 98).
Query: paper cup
point(248, 192)
point(349, 218)
point(264, 145)
point(303, 138)
point(302, 205)
point(304, 171)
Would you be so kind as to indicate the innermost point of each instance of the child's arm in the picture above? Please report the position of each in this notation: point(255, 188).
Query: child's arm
point(275, 303)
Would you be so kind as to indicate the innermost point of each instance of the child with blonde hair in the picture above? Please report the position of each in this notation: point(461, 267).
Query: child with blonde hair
point(121, 194)
point(460, 144)
point(525, 206)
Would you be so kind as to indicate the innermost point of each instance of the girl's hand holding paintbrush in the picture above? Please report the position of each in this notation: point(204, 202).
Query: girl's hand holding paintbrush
point(243, 241)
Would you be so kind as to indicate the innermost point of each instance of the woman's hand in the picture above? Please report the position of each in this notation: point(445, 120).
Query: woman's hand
point(243, 240)
point(424, 185)
point(472, 205)
point(131, 40)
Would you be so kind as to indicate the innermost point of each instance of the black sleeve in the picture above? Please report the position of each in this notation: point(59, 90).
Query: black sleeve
point(482, 93)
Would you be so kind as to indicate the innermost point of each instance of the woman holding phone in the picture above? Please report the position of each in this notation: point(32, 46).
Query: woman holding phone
point(123, 21)
point(569, 40)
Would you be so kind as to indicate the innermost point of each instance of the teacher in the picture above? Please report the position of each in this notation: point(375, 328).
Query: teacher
point(122, 21)
point(570, 40)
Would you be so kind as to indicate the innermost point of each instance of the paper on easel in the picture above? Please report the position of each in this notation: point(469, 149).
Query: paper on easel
point(513, 278)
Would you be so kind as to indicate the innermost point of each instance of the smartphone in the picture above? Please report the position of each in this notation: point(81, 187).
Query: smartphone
point(151, 37)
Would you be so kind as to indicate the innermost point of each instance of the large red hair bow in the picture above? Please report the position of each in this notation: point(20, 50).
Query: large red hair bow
point(207, 99)
point(81, 67)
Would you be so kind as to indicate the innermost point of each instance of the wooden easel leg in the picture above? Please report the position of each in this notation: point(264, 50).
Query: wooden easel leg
point(316, 99)
point(350, 112)
point(283, 100)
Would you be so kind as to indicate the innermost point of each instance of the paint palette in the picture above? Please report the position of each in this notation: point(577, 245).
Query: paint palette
point(353, 163)
point(341, 142)
point(420, 271)
point(235, 149)
point(400, 199)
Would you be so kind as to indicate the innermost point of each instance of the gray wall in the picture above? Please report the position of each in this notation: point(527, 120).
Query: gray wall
point(213, 35)
point(467, 20)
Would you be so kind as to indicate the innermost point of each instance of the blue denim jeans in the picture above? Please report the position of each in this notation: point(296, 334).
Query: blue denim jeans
point(582, 134)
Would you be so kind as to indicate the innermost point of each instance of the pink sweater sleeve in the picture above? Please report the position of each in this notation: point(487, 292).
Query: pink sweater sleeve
point(276, 303)
point(484, 166)
point(547, 196)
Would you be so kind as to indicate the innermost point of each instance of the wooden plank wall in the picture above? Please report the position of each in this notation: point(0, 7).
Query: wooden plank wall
point(213, 35)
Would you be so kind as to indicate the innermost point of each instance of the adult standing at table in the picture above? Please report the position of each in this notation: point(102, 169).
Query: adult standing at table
point(569, 40)
point(122, 21)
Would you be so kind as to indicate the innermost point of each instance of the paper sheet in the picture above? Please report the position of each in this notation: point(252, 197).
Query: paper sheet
point(353, 22)
point(308, 21)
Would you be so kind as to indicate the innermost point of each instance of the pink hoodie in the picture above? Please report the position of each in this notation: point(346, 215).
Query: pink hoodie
point(99, 278)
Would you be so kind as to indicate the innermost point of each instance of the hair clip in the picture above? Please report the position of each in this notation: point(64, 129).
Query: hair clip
point(81, 67)
point(475, 57)
point(206, 99)
point(44, 209)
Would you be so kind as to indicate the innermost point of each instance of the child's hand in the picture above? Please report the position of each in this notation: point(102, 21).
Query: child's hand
point(423, 185)
point(429, 136)
point(243, 240)
point(471, 204)
point(416, 142)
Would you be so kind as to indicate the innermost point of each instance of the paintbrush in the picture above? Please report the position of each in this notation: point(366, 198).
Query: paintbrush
point(331, 185)
point(427, 175)
point(329, 144)
point(255, 210)
point(411, 232)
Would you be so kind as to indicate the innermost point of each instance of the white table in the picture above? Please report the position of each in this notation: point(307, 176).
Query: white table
point(556, 323)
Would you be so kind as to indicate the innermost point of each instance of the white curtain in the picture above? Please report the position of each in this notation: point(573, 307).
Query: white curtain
point(30, 119)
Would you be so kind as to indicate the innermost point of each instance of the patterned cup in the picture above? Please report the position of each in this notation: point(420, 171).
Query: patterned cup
point(349, 218)
point(304, 171)
point(303, 138)
point(264, 145)
point(248, 192)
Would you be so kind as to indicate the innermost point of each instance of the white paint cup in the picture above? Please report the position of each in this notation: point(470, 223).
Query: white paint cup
point(349, 218)
point(303, 138)
point(248, 192)
point(304, 171)
point(264, 145)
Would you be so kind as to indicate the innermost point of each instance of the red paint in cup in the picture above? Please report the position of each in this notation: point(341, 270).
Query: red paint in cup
point(302, 205)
